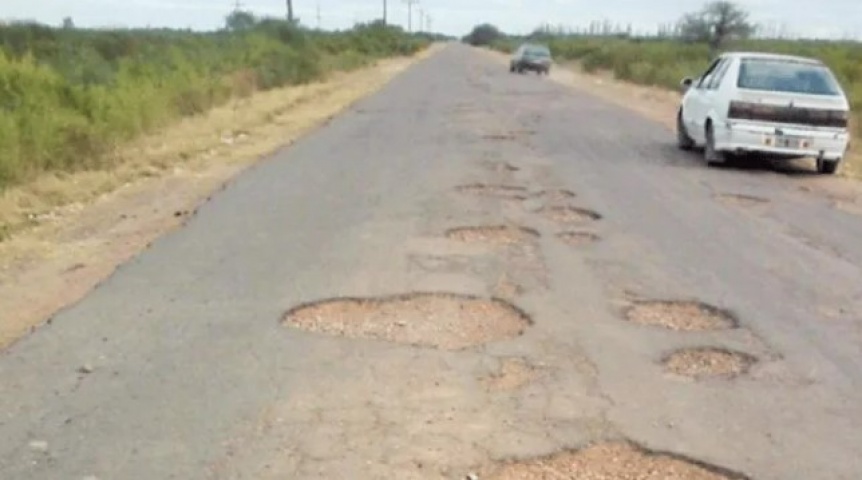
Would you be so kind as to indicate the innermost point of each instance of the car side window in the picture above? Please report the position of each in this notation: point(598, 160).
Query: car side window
point(708, 73)
point(718, 76)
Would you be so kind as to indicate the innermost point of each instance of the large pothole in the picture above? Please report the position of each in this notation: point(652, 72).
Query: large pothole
point(612, 461)
point(499, 235)
point(681, 315)
point(569, 214)
point(706, 362)
point(508, 192)
point(440, 320)
point(577, 239)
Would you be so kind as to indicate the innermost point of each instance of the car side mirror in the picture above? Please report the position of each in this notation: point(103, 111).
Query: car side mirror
point(686, 83)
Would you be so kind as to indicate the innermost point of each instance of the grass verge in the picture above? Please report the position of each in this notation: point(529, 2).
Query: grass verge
point(73, 229)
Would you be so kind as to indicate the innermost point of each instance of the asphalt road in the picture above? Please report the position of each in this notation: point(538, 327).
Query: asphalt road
point(177, 367)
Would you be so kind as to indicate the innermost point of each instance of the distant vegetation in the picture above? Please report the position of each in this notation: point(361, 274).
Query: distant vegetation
point(68, 97)
point(682, 49)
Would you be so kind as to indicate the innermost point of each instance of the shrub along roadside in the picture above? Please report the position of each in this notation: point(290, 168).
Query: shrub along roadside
point(663, 63)
point(69, 98)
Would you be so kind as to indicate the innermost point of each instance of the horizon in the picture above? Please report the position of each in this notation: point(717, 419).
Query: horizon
point(445, 16)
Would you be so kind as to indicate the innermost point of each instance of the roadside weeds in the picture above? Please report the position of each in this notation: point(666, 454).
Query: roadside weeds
point(69, 232)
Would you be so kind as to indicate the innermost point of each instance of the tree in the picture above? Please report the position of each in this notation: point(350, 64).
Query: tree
point(484, 34)
point(68, 23)
point(240, 20)
point(718, 22)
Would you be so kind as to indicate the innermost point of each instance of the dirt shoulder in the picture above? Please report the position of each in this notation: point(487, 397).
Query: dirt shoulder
point(107, 217)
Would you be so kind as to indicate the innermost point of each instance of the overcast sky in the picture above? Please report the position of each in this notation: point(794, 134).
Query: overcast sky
point(833, 18)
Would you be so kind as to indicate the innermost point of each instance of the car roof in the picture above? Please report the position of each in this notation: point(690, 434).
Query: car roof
point(772, 56)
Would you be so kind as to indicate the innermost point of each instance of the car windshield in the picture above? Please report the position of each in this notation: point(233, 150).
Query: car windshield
point(534, 51)
point(787, 76)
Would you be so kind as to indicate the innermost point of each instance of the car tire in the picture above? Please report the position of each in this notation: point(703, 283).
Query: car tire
point(683, 140)
point(827, 167)
point(712, 156)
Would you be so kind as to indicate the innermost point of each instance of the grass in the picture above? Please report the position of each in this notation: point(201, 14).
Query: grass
point(71, 99)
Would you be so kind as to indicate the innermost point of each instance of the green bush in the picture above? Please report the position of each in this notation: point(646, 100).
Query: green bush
point(68, 96)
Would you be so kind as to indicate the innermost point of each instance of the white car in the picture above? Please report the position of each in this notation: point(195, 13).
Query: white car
point(780, 106)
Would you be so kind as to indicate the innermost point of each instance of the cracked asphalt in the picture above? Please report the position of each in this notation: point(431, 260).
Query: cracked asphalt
point(189, 374)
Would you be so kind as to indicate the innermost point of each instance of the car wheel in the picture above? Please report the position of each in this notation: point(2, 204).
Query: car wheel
point(683, 140)
point(827, 167)
point(712, 156)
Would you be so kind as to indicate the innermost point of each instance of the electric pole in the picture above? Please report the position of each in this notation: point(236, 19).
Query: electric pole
point(384, 12)
point(410, 4)
point(290, 11)
point(421, 20)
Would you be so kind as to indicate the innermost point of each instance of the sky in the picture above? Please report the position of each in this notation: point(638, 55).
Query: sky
point(830, 18)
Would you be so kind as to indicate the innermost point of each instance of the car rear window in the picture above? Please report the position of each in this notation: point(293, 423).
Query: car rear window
point(789, 76)
point(538, 52)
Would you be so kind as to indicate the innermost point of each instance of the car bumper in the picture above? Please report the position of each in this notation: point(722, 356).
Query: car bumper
point(742, 137)
point(535, 65)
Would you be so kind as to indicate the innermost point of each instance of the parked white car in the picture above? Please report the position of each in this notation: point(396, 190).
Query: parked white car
point(777, 105)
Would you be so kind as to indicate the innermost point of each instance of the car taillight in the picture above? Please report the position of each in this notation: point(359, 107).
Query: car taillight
point(746, 110)
point(839, 118)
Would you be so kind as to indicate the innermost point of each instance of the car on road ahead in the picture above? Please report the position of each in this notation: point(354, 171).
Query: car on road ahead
point(779, 106)
point(531, 56)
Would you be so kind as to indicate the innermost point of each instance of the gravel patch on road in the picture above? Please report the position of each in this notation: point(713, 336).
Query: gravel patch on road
point(708, 362)
point(680, 315)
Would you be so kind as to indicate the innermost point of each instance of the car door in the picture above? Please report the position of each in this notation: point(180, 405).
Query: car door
point(695, 104)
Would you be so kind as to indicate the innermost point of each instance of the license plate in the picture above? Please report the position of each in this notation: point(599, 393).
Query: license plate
point(785, 141)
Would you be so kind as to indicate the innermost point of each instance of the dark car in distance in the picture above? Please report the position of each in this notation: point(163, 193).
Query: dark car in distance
point(531, 57)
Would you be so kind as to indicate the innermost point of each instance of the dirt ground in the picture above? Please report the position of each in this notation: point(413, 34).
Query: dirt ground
point(78, 228)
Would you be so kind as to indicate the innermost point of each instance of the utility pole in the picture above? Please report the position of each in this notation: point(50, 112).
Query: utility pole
point(410, 4)
point(384, 12)
point(290, 11)
point(421, 20)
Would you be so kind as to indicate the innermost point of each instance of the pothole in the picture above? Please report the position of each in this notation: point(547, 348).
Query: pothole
point(500, 167)
point(446, 321)
point(510, 192)
point(556, 195)
point(493, 234)
point(569, 214)
point(706, 362)
point(513, 374)
point(499, 136)
point(506, 288)
point(681, 315)
point(612, 461)
point(741, 200)
point(578, 239)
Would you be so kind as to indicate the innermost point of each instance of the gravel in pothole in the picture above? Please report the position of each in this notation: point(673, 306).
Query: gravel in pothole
point(569, 214)
point(706, 362)
point(511, 192)
point(556, 195)
point(680, 315)
point(513, 374)
point(493, 234)
point(439, 320)
point(577, 239)
point(611, 461)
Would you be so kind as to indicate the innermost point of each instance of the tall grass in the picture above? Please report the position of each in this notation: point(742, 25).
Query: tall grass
point(663, 63)
point(69, 97)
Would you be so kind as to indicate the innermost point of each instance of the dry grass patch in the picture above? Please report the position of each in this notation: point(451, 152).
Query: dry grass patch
point(706, 362)
point(611, 461)
point(681, 315)
point(439, 320)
